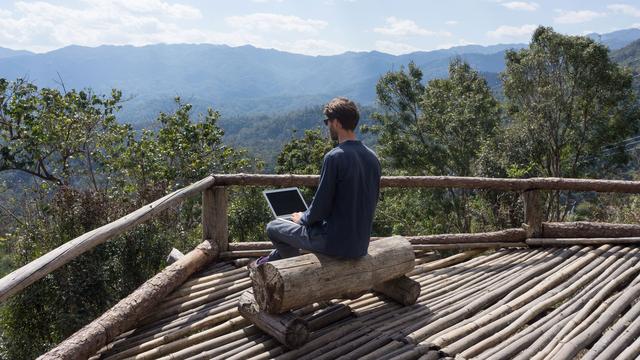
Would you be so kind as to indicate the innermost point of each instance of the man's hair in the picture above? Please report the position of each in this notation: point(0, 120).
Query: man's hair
point(344, 110)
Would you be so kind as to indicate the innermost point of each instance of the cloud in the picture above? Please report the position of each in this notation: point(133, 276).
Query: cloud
point(43, 26)
point(624, 9)
point(517, 33)
point(451, 22)
point(394, 47)
point(275, 22)
point(156, 7)
point(576, 17)
point(402, 27)
point(521, 5)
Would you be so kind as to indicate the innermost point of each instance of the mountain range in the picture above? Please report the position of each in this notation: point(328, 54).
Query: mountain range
point(241, 80)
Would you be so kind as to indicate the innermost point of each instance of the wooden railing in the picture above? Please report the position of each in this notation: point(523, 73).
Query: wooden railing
point(214, 210)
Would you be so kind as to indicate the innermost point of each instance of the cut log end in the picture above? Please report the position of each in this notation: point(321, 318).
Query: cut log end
point(297, 333)
point(271, 291)
point(287, 328)
point(403, 290)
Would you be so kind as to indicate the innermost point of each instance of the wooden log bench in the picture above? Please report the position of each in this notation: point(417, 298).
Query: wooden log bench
point(283, 285)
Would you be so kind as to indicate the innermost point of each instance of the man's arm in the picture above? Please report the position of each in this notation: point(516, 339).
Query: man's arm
point(323, 200)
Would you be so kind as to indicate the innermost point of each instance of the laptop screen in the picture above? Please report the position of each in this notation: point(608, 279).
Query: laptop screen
point(286, 202)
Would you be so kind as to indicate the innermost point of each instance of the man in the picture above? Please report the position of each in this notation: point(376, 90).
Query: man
point(339, 220)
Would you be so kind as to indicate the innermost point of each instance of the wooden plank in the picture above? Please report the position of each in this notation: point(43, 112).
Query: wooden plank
point(125, 314)
point(215, 222)
point(37, 269)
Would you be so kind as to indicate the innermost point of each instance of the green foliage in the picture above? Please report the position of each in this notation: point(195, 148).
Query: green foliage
point(47, 133)
point(436, 129)
point(567, 101)
point(89, 170)
point(304, 156)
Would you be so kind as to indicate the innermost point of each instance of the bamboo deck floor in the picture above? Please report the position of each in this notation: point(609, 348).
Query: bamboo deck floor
point(544, 303)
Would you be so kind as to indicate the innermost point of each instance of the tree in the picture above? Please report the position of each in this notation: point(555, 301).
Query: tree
point(436, 130)
point(567, 102)
point(49, 134)
point(88, 170)
point(304, 156)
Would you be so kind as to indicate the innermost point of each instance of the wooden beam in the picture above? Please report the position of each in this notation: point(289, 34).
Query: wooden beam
point(460, 246)
point(582, 241)
point(215, 221)
point(533, 213)
point(125, 314)
point(585, 229)
point(461, 182)
point(502, 236)
point(37, 269)
point(286, 284)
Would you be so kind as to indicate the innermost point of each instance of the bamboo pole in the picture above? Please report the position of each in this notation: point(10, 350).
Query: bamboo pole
point(618, 337)
point(234, 254)
point(571, 347)
point(448, 320)
point(209, 348)
point(438, 264)
point(40, 267)
point(124, 315)
point(625, 259)
point(504, 327)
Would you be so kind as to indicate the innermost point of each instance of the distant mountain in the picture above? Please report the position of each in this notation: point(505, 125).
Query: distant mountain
point(239, 80)
point(617, 39)
point(630, 56)
point(235, 80)
point(6, 53)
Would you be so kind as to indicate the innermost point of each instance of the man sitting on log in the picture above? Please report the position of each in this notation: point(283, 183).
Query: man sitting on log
point(339, 219)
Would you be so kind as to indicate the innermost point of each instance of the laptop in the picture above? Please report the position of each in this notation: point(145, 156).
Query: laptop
point(284, 202)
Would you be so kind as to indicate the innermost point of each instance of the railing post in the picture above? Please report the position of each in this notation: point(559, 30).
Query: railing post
point(215, 224)
point(532, 213)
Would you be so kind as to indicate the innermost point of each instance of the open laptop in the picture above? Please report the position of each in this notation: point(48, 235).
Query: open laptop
point(284, 202)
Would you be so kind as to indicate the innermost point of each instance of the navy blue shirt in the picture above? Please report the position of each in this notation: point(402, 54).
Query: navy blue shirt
point(346, 199)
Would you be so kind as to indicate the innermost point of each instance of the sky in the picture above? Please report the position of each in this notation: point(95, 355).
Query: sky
point(312, 27)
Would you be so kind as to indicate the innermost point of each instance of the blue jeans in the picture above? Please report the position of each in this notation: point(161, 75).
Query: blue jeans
point(288, 238)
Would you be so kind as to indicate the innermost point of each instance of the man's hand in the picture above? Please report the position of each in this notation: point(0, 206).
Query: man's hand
point(295, 217)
